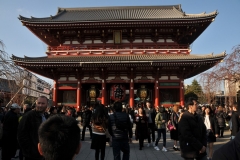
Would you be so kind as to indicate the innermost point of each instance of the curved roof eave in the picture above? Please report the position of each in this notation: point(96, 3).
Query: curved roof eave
point(123, 59)
point(121, 20)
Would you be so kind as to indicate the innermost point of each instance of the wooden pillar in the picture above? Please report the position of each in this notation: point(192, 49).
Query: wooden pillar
point(131, 92)
point(79, 96)
point(55, 93)
point(104, 93)
point(156, 87)
point(181, 90)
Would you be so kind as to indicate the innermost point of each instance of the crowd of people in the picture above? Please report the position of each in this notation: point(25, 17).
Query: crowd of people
point(44, 133)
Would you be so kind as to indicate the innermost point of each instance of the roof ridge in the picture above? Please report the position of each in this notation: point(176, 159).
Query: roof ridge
point(118, 7)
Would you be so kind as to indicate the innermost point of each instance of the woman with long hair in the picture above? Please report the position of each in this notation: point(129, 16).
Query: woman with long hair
point(141, 132)
point(174, 121)
point(211, 125)
point(100, 123)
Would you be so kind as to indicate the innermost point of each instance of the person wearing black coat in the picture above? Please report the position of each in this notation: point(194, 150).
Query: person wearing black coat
point(151, 114)
point(28, 130)
point(229, 151)
point(174, 122)
point(141, 131)
point(235, 121)
point(10, 126)
point(221, 116)
point(85, 121)
point(120, 137)
point(192, 133)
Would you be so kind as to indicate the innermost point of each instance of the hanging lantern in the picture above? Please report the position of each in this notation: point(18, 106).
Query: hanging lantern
point(93, 93)
point(118, 92)
point(142, 93)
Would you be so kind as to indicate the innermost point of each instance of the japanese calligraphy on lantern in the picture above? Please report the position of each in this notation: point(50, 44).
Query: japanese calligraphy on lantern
point(118, 92)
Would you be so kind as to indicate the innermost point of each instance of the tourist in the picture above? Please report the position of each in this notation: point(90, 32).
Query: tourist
point(235, 121)
point(120, 129)
point(85, 121)
point(192, 133)
point(127, 110)
point(26, 108)
point(160, 121)
point(141, 132)
point(59, 138)
point(174, 121)
point(211, 125)
point(9, 138)
point(28, 130)
point(150, 113)
point(221, 116)
point(100, 124)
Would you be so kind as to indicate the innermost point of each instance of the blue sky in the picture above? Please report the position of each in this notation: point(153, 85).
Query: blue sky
point(222, 35)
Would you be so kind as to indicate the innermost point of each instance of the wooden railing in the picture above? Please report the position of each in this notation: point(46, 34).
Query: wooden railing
point(111, 46)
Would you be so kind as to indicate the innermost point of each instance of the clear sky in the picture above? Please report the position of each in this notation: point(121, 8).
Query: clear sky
point(222, 35)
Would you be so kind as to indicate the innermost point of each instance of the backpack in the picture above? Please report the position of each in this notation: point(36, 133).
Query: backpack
point(120, 125)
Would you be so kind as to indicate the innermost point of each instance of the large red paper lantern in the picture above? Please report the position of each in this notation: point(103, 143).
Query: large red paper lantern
point(118, 92)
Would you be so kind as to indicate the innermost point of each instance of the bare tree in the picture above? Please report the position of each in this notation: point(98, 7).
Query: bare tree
point(20, 83)
point(228, 70)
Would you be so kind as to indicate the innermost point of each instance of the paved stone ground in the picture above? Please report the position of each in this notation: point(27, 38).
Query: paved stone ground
point(148, 153)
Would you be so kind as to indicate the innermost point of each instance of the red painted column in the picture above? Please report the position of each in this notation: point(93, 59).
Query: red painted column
point(55, 93)
point(104, 95)
point(79, 96)
point(131, 92)
point(181, 90)
point(156, 87)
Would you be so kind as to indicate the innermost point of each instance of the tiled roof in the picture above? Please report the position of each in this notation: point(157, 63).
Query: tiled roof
point(119, 13)
point(120, 58)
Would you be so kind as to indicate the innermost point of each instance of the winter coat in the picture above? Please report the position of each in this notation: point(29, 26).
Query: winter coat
point(117, 133)
point(150, 112)
point(174, 119)
point(192, 135)
point(158, 120)
point(221, 116)
point(86, 117)
point(213, 122)
point(10, 127)
point(235, 123)
point(141, 127)
point(28, 134)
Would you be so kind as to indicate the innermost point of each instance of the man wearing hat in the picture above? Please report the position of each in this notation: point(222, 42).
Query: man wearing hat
point(10, 126)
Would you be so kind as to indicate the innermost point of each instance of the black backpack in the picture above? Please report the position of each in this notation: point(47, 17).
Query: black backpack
point(120, 125)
